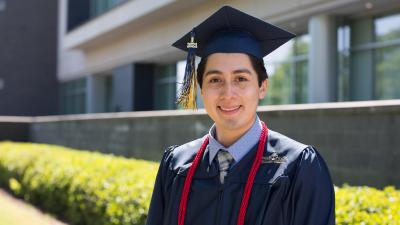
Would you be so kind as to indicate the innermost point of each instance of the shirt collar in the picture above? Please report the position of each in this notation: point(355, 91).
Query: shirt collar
point(238, 149)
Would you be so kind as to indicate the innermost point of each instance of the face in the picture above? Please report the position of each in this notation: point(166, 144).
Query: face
point(230, 91)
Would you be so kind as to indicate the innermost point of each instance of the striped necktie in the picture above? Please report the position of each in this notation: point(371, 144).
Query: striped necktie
point(224, 160)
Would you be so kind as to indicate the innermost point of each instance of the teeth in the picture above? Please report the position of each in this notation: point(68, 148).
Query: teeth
point(230, 109)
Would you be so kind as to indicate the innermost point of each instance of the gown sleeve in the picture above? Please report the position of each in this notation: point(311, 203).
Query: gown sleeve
point(156, 210)
point(313, 196)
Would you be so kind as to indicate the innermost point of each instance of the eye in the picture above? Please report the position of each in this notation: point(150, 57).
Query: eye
point(214, 80)
point(241, 79)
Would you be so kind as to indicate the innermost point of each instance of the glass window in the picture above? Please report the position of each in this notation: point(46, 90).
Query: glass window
point(165, 87)
point(301, 49)
point(301, 82)
point(387, 57)
point(98, 7)
point(287, 69)
point(279, 74)
point(375, 68)
point(387, 28)
point(73, 94)
point(279, 85)
point(343, 38)
point(301, 45)
point(387, 69)
point(78, 13)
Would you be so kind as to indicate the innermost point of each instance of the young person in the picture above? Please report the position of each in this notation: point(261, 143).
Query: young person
point(241, 172)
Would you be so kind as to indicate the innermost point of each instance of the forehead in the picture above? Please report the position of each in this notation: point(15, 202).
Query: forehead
point(228, 61)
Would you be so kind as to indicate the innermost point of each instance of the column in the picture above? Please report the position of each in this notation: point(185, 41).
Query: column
point(322, 59)
point(95, 94)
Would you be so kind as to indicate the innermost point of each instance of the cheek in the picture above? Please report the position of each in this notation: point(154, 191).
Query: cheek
point(208, 97)
point(210, 92)
point(252, 93)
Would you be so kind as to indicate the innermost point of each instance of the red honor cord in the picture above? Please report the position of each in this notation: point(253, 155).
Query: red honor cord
point(249, 183)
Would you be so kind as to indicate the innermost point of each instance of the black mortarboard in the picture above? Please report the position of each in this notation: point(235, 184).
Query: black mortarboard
point(226, 31)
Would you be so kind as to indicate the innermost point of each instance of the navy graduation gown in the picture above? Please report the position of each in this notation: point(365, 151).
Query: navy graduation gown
point(294, 190)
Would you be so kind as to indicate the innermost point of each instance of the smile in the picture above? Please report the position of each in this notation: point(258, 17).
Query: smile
point(229, 110)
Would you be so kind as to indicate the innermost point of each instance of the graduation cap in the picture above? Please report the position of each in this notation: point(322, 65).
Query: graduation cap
point(226, 31)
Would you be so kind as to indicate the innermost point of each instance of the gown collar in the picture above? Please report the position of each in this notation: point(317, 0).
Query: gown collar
point(238, 149)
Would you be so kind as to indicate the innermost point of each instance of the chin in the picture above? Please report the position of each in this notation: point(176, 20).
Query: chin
point(230, 124)
point(239, 121)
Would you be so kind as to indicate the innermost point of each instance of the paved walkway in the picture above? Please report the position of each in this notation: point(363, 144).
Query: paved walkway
point(14, 211)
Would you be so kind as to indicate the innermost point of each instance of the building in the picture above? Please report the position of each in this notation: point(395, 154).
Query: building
point(116, 55)
point(28, 57)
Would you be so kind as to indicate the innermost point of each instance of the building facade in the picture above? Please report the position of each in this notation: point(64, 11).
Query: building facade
point(116, 55)
point(28, 58)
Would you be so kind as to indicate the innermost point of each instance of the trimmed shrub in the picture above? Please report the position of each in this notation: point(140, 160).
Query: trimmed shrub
point(92, 188)
point(367, 206)
point(78, 186)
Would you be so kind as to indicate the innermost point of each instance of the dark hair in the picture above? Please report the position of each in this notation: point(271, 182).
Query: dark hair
point(258, 66)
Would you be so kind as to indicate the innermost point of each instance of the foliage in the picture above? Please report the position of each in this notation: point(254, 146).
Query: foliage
point(367, 206)
point(78, 186)
point(92, 188)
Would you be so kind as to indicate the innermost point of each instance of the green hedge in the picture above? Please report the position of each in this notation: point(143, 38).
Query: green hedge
point(78, 186)
point(367, 206)
point(92, 188)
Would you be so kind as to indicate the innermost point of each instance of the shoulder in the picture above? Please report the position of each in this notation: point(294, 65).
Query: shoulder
point(295, 156)
point(305, 179)
point(181, 156)
point(284, 146)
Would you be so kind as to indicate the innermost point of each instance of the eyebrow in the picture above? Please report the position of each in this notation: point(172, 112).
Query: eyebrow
point(213, 72)
point(242, 71)
point(238, 71)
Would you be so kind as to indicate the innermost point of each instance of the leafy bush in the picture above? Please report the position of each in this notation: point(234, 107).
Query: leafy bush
point(92, 188)
point(367, 206)
point(78, 186)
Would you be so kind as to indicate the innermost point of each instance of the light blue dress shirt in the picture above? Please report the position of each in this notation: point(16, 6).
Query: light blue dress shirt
point(238, 149)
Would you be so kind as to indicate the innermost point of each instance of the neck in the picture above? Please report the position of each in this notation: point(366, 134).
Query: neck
point(227, 136)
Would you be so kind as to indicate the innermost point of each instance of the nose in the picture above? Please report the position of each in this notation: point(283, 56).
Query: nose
point(228, 90)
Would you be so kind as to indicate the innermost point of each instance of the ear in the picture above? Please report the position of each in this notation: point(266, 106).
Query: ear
point(201, 91)
point(263, 89)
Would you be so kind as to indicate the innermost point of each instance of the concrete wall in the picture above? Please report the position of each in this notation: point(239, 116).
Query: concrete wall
point(14, 128)
point(359, 140)
point(141, 134)
point(361, 144)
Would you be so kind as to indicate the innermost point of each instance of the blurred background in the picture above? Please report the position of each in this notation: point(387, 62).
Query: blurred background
point(92, 56)
point(101, 75)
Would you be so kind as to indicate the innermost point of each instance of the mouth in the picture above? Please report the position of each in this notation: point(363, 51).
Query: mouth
point(229, 110)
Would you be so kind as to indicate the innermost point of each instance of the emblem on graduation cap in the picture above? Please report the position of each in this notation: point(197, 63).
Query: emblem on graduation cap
point(226, 31)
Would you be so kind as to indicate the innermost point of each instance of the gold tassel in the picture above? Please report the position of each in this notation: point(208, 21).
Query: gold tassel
point(188, 91)
point(192, 94)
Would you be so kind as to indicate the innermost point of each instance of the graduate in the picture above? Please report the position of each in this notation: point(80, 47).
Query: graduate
point(241, 172)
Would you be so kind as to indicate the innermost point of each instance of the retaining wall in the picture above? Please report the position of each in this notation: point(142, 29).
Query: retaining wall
point(359, 140)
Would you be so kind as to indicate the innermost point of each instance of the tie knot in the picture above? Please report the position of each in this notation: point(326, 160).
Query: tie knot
point(224, 160)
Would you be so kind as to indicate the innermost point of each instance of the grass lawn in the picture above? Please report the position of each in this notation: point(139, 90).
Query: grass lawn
point(16, 212)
